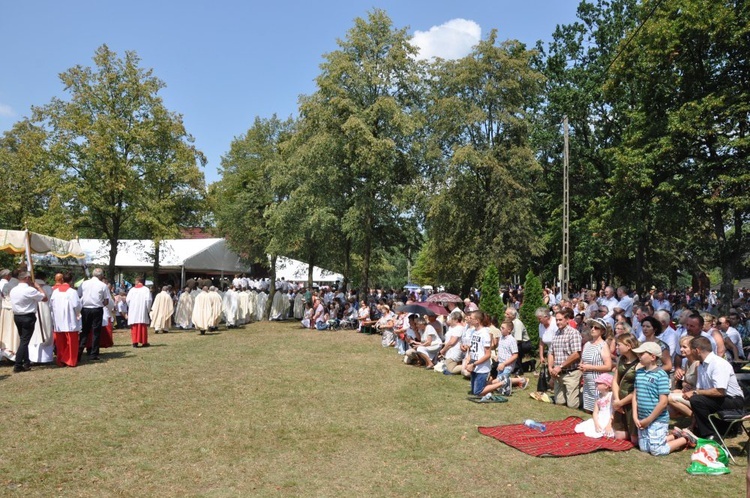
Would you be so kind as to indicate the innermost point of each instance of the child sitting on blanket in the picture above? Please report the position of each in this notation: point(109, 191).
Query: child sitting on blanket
point(601, 422)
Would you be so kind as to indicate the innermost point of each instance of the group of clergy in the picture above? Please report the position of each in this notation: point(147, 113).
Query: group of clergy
point(200, 307)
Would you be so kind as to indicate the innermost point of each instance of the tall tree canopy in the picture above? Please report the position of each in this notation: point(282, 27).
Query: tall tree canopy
point(120, 152)
point(363, 118)
point(484, 168)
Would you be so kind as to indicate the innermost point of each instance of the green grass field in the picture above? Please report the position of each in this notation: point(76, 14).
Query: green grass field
point(272, 409)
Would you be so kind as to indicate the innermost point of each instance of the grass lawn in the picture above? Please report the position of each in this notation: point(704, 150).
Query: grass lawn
point(272, 409)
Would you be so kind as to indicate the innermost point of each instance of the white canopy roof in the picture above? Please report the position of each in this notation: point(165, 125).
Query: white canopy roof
point(296, 271)
point(174, 254)
point(15, 241)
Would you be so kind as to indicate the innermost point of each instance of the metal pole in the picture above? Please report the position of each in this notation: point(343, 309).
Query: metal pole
point(566, 217)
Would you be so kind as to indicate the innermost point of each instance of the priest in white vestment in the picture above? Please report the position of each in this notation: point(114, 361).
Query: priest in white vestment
point(216, 308)
point(260, 306)
point(244, 307)
point(9, 338)
point(183, 316)
point(65, 306)
point(139, 304)
point(42, 343)
point(202, 311)
point(299, 305)
point(230, 306)
point(162, 311)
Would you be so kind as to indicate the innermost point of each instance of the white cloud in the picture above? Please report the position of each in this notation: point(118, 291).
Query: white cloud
point(451, 40)
point(6, 111)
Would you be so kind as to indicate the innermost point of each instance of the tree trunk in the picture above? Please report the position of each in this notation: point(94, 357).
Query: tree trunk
point(113, 242)
point(310, 267)
point(271, 288)
point(157, 260)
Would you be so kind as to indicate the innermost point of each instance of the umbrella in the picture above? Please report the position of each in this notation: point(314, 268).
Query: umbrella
point(435, 308)
point(444, 297)
point(411, 287)
point(416, 309)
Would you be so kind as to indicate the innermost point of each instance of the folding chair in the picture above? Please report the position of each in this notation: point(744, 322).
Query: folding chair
point(734, 418)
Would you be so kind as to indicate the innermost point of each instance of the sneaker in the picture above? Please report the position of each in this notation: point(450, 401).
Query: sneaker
point(486, 397)
point(691, 438)
point(525, 383)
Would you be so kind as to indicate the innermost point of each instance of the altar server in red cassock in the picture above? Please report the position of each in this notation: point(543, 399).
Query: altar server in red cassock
point(65, 306)
point(139, 304)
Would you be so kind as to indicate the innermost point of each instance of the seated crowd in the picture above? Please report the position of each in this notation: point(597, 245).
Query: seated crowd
point(632, 364)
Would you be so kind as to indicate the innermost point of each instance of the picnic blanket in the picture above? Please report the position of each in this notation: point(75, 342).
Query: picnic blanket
point(558, 440)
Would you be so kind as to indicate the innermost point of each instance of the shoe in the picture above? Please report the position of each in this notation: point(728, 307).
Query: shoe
point(429, 368)
point(535, 395)
point(135, 344)
point(487, 397)
point(145, 345)
point(94, 358)
point(446, 372)
point(202, 332)
point(691, 438)
point(525, 383)
point(21, 368)
point(545, 397)
point(677, 433)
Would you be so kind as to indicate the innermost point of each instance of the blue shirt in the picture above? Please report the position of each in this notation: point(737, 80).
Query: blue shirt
point(649, 385)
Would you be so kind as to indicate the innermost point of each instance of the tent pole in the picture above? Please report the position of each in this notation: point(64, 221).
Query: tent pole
point(30, 267)
point(182, 277)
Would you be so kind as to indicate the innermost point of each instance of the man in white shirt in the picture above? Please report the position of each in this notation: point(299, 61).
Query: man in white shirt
point(732, 341)
point(661, 303)
point(609, 300)
point(94, 296)
point(626, 302)
point(717, 387)
point(668, 334)
point(24, 298)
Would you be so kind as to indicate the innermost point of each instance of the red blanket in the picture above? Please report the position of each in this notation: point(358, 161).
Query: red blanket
point(558, 440)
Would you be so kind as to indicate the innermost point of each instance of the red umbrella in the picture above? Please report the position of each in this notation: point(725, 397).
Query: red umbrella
point(444, 297)
point(435, 308)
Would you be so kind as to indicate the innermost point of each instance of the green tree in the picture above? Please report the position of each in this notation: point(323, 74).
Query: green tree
point(533, 298)
point(30, 187)
point(491, 302)
point(483, 167)
point(688, 78)
point(363, 116)
point(244, 197)
point(106, 140)
point(575, 64)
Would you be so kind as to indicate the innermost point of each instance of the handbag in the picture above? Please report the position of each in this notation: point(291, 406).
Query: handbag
point(542, 385)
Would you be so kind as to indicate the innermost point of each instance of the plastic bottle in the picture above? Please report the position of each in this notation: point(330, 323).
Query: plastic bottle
point(533, 424)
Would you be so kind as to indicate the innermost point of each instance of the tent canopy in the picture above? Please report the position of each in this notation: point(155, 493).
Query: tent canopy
point(174, 254)
point(14, 241)
point(296, 271)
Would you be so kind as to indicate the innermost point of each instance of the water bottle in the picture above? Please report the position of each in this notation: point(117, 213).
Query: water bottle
point(533, 424)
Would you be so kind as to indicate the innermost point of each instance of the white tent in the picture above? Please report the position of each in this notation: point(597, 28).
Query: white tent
point(195, 255)
point(296, 271)
point(201, 255)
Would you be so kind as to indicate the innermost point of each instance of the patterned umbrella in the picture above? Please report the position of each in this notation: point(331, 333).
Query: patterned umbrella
point(435, 308)
point(444, 297)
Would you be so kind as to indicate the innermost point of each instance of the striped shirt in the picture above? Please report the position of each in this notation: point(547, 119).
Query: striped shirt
point(649, 385)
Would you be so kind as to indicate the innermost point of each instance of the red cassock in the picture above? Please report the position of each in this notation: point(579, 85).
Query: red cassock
point(66, 344)
point(139, 333)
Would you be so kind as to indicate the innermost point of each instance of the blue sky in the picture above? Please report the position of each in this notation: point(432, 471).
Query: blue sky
point(226, 62)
